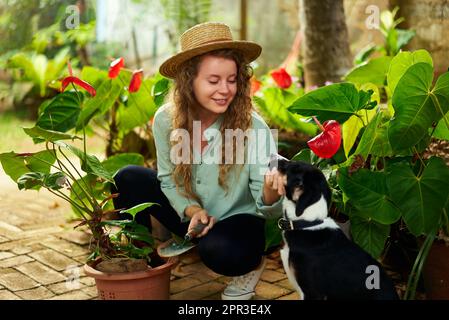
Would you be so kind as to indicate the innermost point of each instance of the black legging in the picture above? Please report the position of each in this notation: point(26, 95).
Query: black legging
point(234, 246)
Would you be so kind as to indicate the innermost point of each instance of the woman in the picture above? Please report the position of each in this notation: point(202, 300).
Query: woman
point(201, 177)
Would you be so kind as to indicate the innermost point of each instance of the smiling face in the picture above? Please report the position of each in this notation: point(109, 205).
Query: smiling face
point(215, 84)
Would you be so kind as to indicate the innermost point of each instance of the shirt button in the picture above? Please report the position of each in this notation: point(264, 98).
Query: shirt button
point(198, 181)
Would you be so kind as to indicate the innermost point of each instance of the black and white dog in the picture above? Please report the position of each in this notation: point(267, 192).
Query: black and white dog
point(319, 260)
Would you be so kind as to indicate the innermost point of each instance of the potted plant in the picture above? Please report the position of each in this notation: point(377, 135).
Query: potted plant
point(123, 261)
point(380, 175)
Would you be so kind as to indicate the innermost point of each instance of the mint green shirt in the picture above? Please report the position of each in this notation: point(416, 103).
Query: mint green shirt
point(245, 185)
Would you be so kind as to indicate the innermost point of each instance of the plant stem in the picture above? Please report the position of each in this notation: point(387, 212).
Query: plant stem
point(92, 199)
point(318, 123)
point(423, 165)
point(77, 195)
point(417, 267)
point(64, 197)
point(437, 103)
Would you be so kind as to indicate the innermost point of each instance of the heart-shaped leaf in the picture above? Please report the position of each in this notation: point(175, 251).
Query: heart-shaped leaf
point(401, 62)
point(368, 193)
point(417, 106)
point(61, 113)
point(369, 235)
point(15, 165)
point(420, 197)
point(374, 71)
point(337, 101)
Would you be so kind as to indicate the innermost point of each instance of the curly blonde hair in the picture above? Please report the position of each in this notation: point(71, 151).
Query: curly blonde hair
point(237, 116)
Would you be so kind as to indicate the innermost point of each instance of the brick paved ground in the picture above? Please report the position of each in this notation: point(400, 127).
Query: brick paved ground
point(40, 254)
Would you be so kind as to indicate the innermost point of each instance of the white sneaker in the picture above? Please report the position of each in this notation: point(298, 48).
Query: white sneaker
point(242, 287)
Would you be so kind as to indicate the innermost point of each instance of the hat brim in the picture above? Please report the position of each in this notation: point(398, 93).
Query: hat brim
point(250, 51)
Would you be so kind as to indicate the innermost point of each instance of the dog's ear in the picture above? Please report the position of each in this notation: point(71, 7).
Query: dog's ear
point(279, 162)
point(282, 166)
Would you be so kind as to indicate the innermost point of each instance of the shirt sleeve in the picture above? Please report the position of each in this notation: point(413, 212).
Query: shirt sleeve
point(261, 149)
point(161, 133)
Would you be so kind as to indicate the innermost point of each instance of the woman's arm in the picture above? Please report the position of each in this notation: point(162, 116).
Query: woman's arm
point(268, 201)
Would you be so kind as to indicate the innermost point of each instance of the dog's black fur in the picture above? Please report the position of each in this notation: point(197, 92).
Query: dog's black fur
point(323, 262)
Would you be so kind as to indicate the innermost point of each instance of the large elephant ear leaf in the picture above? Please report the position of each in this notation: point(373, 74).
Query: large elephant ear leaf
point(369, 234)
point(337, 101)
point(368, 193)
point(420, 197)
point(416, 106)
point(401, 62)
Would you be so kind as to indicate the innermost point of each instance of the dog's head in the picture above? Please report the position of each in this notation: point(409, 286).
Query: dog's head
point(305, 184)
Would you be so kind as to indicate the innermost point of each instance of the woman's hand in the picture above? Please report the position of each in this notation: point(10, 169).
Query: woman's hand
point(273, 187)
point(199, 215)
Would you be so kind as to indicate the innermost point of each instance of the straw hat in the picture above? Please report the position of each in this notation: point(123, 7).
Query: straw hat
point(206, 37)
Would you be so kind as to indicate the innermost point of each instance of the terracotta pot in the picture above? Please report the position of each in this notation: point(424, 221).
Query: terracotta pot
point(152, 284)
point(435, 272)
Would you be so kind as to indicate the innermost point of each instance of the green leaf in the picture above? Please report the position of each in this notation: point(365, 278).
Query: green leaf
point(401, 62)
point(404, 37)
point(350, 130)
point(273, 103)
point(374, 71)
point(441, 131)
point(368, 193)
point(140, 207)
point(369, 235)
point(40, 135)
point(140, 108)
point(89, 163)
point(61, 113)
point(337, 101)
point(138, 232)
point(93, 76)
point(55, 181)
point(106, 96)
point(421, 198)
point(363, 55)
point(31, 180)
point(416, 106)
point(305, 155)
point(160, 90)
point(374, 140)
point(115, 163)
point(273, 235)
point(15, 165)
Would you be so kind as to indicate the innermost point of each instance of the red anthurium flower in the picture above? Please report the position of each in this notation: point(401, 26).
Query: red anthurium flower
point(83, 84)
point(115, 67)
point(327, 143)
point(72, 79)
point(136, 81)
point(255, 85)
point(282, 78)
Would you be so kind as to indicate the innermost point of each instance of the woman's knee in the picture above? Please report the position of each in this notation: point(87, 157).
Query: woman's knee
point(131, 174)
point(225, 256)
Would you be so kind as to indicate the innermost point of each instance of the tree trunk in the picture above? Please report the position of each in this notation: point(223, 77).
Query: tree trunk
point(430, 19)
point(326, 47)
